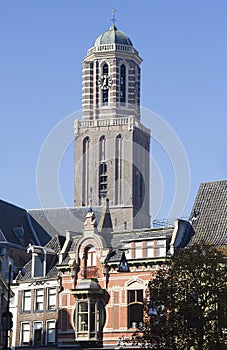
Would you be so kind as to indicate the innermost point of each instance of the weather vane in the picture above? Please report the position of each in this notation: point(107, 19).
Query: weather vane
point(113, 19)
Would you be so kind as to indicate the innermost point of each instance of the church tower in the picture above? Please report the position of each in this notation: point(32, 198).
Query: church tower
point(111, 144)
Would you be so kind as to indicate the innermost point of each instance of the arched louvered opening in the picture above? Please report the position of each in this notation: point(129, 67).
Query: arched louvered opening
point(118, 170)
point(122, 84)
point(85, 177)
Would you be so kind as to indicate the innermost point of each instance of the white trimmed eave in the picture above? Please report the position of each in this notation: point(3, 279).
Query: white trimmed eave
point(112, 54)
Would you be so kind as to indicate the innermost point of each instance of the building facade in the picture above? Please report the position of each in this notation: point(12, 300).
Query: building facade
point(35, 302)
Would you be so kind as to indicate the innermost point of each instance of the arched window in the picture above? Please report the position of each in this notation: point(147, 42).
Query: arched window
point(118, 170)
point(105, 91)
point(102, 148)
point(122, 84)
point(91, 257)
point(102, 180)
point(90, 262)
point(139, 187)
point(85, 177)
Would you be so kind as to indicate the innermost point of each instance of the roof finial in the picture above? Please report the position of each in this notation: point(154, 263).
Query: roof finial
point(113, 19)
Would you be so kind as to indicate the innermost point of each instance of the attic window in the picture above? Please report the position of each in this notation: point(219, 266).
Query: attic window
point(39, 263)
point(19, 231)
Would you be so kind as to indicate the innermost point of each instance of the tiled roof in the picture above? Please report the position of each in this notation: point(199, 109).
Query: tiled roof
point(2, 237)
point(56, 221)
point(71, 248)
point(17, 228)
point(209, 214)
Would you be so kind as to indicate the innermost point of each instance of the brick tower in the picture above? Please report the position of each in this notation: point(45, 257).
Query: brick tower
point(111, 144)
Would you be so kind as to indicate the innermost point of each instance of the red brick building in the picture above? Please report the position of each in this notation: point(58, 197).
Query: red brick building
point(104, 281)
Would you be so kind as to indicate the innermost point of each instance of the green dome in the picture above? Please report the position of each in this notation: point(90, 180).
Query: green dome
point(113, 36)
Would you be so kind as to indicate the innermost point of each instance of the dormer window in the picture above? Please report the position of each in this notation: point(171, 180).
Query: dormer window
point(38, 261)
point(38, 265)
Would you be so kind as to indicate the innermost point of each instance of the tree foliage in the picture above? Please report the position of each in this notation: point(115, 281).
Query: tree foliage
point(189, 294)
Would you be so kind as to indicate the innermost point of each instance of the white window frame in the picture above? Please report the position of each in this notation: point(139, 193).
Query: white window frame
point(150, 249)
point(22, 331)
point(51, 305)
point(48, 322)
point(43, 273)
point(139, 250)
point(128, 250)
point(91, 257)
point(26, 299)
point(34, 329)
point(160, 248)
point(35, 301)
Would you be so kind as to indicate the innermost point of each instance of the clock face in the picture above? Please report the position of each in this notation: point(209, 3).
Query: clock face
point(105, 82)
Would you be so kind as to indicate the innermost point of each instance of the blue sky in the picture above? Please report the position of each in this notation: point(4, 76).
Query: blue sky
point(184, 80)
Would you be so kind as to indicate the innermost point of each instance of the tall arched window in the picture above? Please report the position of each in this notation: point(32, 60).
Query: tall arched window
point(85, 178)
point(102, 148)
point(105, 91)
point(118, 170)
point(122, 84)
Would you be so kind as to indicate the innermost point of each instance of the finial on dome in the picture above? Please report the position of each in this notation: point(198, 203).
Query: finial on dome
point(113, 19)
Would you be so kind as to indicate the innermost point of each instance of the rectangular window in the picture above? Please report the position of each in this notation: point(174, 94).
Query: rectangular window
point(93, 315)
point(83, 320)
point(25, 334)
point(161, 248)
point(26, 302)
point(150, 249)
point(128, 251)
point(91, 257)
point(39, 300)
point(39, 262)
point(50, 332)
point(138, 250)
point(37, 333)
point(51, 299)
point(135, 307)
point(135, 296)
